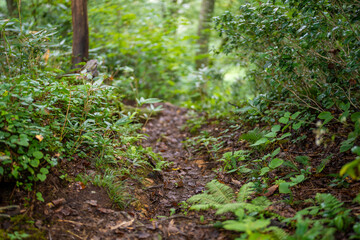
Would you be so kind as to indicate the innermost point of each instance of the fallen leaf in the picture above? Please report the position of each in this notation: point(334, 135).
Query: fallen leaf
point(59, 201)
point(92, 202)
point(80, 185)
point(270, 191)
point(123, 224)
point(105, 210)
point(39, 137)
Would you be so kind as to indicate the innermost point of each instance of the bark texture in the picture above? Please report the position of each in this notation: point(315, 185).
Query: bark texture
point(12, 7)
point(207, 10)
point(80, 47)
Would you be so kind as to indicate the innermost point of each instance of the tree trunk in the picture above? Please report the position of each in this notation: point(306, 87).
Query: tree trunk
point(207, 10)
point(12, 7)
point(80, 47)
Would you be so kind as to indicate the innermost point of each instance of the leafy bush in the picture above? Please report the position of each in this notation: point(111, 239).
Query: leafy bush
point(305, 50)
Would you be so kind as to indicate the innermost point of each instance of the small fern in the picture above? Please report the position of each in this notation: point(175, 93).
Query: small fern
point(221, 197)
point(245, 192)
point(216, 194)
point(253, 135)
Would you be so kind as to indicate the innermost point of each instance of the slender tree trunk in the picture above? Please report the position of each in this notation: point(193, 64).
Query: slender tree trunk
point(12, 7)
point(207, 10)
point(80, 47)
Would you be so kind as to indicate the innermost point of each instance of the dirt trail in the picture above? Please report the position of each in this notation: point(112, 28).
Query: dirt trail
point(86, 213)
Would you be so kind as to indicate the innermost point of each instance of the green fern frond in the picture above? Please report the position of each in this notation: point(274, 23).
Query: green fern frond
point(203, 201)
point(222, 193)
point(253, 135)
point(277, 233)
point(328, 201)
point(229, 207)
point(245, 192)
point(200, 207)
point(261, 202)
point(199, 198)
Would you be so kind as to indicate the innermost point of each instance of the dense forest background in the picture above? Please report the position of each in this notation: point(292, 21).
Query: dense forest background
point(279, 78)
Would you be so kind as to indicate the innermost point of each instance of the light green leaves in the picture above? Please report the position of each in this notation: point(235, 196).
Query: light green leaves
point(326, 116)
point(276, 162)
point(42, 175)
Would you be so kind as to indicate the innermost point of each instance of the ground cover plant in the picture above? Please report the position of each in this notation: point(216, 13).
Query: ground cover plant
point(153, 138)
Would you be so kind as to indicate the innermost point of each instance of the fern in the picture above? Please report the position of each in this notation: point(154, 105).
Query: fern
point(253, 135)
point(221, 192)
point(245, 192)
point(221, 197)
point(216, 194)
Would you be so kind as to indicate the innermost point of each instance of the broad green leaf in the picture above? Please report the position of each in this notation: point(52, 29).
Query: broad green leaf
point(260, 142)
point(352, 169)
point(284, 187)
point(284, 136)
point(38, 155)
point(271, 135)
point(296, 180)
point(35, 162)
point(303, 160)
point(41, 177)
point(44, 171)
point(1, 170)
point(284, 120)
point(356, 150)
point(23, 140)
point(355, 116)
point(39, 197)
point(264, 170)
point(276, 162)
point(326, 116)
point(295, 115)
point(276, 128)
point(275, 152)
point(297, 125)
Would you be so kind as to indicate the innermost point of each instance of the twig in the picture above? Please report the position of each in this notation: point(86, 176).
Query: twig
point(74, 234)
point(73, 222)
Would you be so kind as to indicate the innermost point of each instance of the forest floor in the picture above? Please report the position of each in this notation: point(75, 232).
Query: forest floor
point(73, 210)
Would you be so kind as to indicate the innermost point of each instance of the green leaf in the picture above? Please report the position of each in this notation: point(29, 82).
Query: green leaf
point(275, 128)
point(284, 120)
point(35, 162)
point(247, 225)
point(271, 135)
point(295, 115)
point(264, 170)
point(297, 125)
point(260, 142)
point(38, 155)
point(352, 169)
point(44, 171)
point(39, 197)
point(1, 170)
point(41, 177)
point(296, 180)
point(284, 187)
point(303, 160)
point(275, 152)
point(276, 162)
point(356, 150)
point(326, 116)
point(23, 140)
point(284, 136)
point(355, 117)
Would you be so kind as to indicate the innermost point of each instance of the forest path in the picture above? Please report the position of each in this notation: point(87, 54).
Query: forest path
point(184, 178)
point(86, 212)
